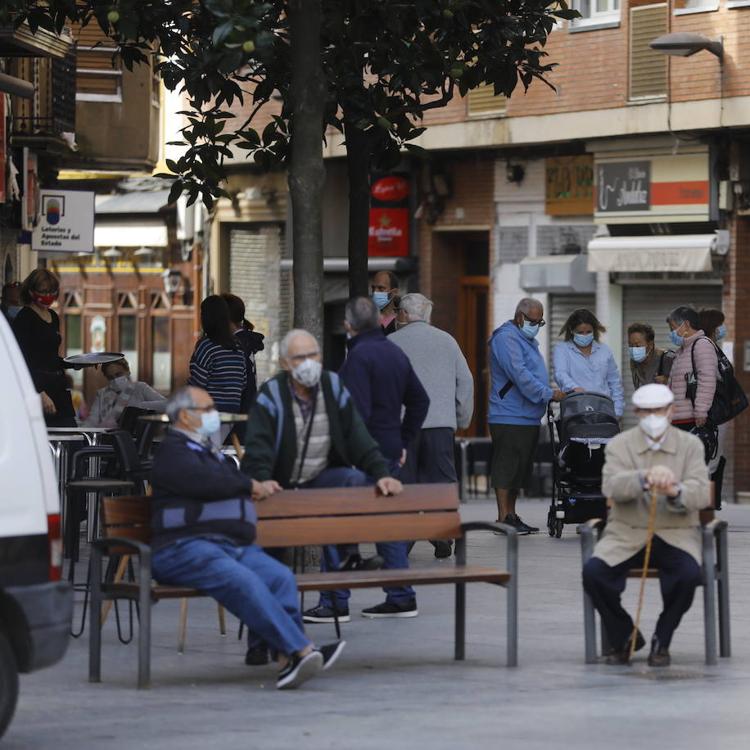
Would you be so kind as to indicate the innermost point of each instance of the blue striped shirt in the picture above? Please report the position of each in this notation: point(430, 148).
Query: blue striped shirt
point(221, 372)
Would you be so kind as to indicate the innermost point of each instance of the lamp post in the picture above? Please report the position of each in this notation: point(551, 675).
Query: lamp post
point(686, 44)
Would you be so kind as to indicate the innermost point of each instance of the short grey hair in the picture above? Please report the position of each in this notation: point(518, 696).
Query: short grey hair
point(181, 399)
point(416, 306)
point(362, 314)
point(284, 345)
point(527, 304)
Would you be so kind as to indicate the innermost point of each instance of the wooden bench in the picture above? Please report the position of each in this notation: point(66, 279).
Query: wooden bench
point(313, 517)
point(714, 579)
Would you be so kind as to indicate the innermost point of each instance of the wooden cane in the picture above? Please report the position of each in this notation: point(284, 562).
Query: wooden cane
point(644, 573)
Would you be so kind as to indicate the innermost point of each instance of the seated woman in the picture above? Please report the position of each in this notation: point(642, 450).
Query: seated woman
point(120, 392)
point(647, 363)
point(582, 363)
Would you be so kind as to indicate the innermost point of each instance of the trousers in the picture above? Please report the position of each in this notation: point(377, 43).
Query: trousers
point(254, 587)
point(679, 575)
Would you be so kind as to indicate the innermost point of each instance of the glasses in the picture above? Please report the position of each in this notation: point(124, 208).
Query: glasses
point(541, 322)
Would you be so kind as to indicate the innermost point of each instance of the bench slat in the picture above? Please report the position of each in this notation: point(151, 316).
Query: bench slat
point(414, 576)
point(395, 527)
point(335, 501)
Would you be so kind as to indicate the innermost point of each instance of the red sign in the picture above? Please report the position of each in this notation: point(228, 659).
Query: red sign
point(389, 232)
point(391, 189)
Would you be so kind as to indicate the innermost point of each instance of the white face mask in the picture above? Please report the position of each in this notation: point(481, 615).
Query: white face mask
point(308, 372)
point(121, 382)
point(654, 425)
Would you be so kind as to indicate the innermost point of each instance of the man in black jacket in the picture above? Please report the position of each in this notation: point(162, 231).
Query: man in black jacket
point(203, 533)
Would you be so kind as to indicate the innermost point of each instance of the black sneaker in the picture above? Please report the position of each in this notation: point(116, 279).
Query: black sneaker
point(389, 609)
point(357, 562)
point(514, 520)
point(442, 549)
point(257, 656)
point(299, 669)
point(331, 652)
point(528, 529)
point(321, 613)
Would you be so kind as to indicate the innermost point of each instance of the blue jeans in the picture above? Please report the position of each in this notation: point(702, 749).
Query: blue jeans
point(394, 554)
point(254, 587)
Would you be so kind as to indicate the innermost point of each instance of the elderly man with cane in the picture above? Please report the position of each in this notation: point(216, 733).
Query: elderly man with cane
point(656, 481)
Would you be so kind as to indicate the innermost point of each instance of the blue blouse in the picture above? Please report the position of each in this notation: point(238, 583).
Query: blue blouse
point(597, 372)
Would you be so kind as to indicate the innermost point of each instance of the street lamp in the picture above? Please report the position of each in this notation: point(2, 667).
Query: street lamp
point(685, 44)
point(171, 278)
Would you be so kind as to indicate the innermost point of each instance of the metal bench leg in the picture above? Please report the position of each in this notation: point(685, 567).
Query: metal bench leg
point(95, 628)
point(144, 625)
point(512, 601)
point(182, 630)
point(589, 629)
point(460, 621)
point(709, 597)
point(222, 621)
point(725, 641)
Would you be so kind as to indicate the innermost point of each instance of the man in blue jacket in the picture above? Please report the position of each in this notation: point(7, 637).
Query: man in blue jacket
point(381, 381)
point(518, 398)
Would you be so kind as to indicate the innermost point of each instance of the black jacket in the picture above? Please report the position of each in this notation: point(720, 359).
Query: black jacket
point(198, 492)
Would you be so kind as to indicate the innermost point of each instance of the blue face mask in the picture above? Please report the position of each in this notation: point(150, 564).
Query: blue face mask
point(529, 330)
point(583, 339)
point(676, 339)
point(381, 299)
point(721, 332)
point(638, 353)
point(210, 423)
point(13, 310)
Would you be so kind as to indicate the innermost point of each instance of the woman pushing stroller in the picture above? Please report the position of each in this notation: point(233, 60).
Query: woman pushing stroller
point(582, 363)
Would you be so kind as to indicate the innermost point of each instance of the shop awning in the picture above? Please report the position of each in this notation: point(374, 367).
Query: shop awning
point(685, 253)
point(564, 274)
point(140, 233)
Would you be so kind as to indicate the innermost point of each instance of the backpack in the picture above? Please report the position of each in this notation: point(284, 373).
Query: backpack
point(729, 398)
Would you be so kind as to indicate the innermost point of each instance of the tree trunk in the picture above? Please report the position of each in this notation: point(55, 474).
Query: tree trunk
point(306, 170)
point(358, 168)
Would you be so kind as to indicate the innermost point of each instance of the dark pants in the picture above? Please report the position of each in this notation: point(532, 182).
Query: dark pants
point(431, 457)
point(679, 574)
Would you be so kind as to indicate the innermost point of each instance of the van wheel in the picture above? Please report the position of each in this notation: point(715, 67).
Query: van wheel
point(8, 683)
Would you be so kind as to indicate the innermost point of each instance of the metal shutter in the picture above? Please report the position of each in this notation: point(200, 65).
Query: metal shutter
point(651, 304)
point(648, 68)
point(482, 101)
point(560, 308)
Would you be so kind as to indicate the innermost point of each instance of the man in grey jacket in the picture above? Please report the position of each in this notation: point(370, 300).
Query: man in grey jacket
point(441, 368)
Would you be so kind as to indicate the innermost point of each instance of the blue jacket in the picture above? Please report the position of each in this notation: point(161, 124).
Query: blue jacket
point(381, 380)
point(516, 359)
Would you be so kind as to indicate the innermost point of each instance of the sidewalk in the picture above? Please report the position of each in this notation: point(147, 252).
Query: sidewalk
point(397, 686)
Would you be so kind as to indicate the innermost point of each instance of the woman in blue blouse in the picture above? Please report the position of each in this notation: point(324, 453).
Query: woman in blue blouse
point(581, 363)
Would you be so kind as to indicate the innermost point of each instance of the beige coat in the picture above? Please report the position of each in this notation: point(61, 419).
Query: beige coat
point(627, 457)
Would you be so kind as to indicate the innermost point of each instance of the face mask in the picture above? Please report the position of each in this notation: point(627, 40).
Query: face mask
point(381, 299)
point(13, 310)
point(676, 339)
point(721, 332)
point(583, 339)
point(308, 373)
point(638, 353)
point(43, 300)
point(120, 383)
point(529, 330)
point(654, 425)
point(210, 423)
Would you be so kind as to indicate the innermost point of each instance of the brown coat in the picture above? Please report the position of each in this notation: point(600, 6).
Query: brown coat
point(627, 458)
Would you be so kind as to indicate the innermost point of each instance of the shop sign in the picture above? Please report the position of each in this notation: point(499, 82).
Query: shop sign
point(389, 217)
point(65, 223)
point(569, 182)
point(623, 186)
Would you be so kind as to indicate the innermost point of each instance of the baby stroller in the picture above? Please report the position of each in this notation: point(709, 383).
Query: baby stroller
point(587, 422)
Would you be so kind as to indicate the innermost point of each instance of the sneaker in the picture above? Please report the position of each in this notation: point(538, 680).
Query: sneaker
point(357, 562)
point(442, 549)
point(389, 609)
point(299, 669)
point(331, 652)
point(257, 656)
point(528, 529)
point(321, 613)
point(514, 520)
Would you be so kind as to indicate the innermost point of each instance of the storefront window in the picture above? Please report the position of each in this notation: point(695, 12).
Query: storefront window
point(161, 356)
point(74, 344)
point(128, 338)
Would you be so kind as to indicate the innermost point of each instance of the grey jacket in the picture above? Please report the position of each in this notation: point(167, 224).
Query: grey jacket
point(441, 367)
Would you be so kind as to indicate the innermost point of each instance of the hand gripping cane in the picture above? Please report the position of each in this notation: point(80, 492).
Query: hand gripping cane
point(644, 572)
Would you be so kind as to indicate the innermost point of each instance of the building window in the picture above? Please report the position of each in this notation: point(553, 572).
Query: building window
point(128, 338)
point(648, 68)
point(483, 101)
point(98, 76)
point(596, 13)
point(161, 355)
point(683, 7)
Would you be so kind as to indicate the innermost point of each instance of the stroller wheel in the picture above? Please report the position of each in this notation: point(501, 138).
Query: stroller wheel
point(558, 528)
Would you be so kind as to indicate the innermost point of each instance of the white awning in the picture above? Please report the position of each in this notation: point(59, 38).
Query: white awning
point(131, 234)
point(563, 274)
point(685, 253)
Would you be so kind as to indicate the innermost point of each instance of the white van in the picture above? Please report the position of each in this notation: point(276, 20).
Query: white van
point(35, 605)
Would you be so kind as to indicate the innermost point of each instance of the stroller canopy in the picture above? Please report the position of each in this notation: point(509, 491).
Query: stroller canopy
point(587, 416)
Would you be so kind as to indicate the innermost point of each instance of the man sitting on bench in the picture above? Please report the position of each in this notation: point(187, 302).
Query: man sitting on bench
point(203, 529)
point(304, 431)
point(654, 456)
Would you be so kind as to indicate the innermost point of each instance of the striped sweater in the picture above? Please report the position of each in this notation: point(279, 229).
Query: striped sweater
point(221, 372)
point(707, 370)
